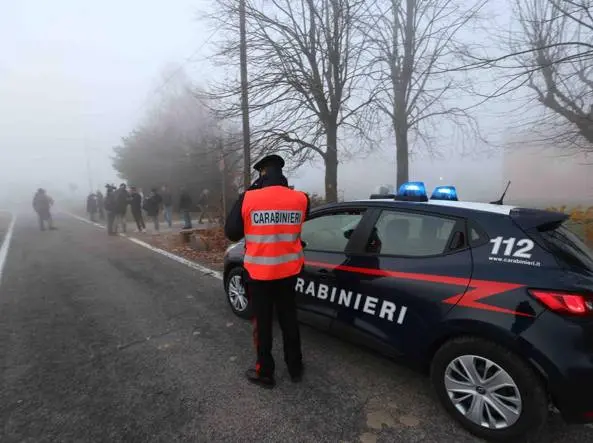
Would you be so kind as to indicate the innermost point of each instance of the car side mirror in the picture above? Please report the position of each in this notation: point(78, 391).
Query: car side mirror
point(348, 233)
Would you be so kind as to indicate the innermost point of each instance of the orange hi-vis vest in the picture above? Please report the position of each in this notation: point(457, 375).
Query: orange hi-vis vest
point(273, 217)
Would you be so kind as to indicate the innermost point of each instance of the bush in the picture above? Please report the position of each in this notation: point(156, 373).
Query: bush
point(581, 221)
point(316, 200)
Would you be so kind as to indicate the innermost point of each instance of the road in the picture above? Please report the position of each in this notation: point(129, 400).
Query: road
point(104, 340)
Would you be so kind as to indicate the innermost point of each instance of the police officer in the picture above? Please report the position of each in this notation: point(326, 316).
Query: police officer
point(270, 216)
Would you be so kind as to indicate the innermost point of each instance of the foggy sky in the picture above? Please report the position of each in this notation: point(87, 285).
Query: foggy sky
point(80, 75)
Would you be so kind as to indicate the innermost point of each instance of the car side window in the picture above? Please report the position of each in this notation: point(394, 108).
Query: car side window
point(410, 234)
point(477, 236)
point(330, 232)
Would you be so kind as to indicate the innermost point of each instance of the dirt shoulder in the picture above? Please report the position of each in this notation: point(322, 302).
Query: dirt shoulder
point(205, 246)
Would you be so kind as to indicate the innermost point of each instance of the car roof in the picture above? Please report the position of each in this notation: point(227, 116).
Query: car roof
point(437, 206)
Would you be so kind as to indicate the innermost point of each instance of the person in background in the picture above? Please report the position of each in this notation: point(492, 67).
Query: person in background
point(42, 204)
point(91, 206)
point(273, 259)
point(152, 205)
point(167, 199)
point(121, 207)
point(185, 207)
point(203, 205)
point(109, 206)
point(136, 208)
point(100, 203)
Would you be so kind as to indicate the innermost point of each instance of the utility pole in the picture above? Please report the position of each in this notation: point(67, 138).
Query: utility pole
point(244, 97)
point(222, 167)
point(88, 165)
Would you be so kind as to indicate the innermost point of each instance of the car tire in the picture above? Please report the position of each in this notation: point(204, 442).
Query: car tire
point(236, 294)
point(525, 385)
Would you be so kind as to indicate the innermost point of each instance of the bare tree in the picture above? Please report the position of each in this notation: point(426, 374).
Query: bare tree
point(181, 143)
point(561, 75)
point(550, 51)
point(413, 42)
point(307, 85)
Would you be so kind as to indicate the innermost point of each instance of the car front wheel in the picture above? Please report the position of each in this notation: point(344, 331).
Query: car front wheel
point(489, 390)
point(236, 293)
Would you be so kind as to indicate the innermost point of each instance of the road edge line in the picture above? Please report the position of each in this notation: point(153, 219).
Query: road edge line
point(6, 245)
point(184, 261)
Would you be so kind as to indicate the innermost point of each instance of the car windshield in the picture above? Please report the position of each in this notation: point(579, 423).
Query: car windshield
point(569, 248)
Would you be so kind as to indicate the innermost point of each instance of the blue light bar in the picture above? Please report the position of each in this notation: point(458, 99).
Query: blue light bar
point(415, 191)
point(444, 193)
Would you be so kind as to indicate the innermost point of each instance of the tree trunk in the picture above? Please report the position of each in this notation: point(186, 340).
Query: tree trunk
point(401, 148)
point(401, 84)
point(331, 165)
point(244, 98)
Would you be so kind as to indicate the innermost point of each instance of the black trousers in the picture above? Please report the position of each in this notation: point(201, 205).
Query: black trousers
point(265, 296)
point(137, 214)
point(110, 222)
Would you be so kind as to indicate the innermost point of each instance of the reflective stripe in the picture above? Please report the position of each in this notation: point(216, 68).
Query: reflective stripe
point(271, 238)
point(278, 260)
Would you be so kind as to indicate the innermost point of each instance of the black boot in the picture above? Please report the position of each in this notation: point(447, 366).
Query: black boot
point(260, 380)
point(296, 376)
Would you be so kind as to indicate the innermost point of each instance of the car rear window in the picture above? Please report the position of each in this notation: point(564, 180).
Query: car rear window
point(569, 248)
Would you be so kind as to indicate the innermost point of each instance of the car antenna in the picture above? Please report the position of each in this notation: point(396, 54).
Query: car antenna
point(500, 200)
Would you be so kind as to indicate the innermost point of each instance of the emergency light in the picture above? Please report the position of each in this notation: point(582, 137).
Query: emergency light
point(412, 191)
point(444, 193)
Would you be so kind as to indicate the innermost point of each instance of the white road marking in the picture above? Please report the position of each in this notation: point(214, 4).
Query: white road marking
point(186, 262)
point(177, 258)
point(6, 245)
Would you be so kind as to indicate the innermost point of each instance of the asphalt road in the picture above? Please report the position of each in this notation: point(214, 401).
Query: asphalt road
point(5, 219)
point(104, 340)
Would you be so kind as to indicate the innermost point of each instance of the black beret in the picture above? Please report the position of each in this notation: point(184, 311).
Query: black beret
point(269, 160)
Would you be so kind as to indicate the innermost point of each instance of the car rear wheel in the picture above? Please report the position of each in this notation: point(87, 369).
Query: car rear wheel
point(236, 294)
point(489, 390)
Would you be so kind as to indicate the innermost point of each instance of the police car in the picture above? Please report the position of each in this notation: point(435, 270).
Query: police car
point(495, 301)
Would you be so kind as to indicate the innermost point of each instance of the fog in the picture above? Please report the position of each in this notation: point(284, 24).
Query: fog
point(77, 76)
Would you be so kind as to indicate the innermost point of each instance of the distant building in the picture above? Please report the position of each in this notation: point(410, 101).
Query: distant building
point(548, 176)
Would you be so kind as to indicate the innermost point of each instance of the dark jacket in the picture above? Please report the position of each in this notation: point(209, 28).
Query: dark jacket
point(234, 228)
point(185, 201)
point(152, 205)
point(121, 201)
point(91, 204)
point(42, 204)
point(135, 202)
point(109, 203)
point(99, 200)
point(167, 198)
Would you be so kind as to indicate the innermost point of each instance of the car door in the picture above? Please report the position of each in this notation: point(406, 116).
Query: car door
point(404, 266)
point(325, 238)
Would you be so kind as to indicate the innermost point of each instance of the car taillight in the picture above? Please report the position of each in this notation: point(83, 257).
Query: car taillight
point(565, 302)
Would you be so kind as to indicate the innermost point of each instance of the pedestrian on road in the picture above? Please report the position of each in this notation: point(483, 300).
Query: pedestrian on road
point(121, 207)
point(42, 204)
point(109, 206)
point(185, 207)
point(136, 208)
point(91, 206)
point(167, 205)
point(100, 203)
point(152, 205)
point(270, 217)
